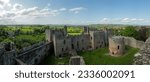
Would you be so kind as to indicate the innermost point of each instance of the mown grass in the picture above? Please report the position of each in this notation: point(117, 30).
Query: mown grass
point(102, 57)
point(74, 34)
point(96, 57)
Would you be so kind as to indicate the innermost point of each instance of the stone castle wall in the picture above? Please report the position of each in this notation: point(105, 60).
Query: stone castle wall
point(34, 56)
point(61, 46)
point(7, 54)
point(116, 45)
point(143, 57)
point(87, 40)
point(57, 41)
point(8, 58)
point(29, 55)
point(80, 42)
point(64, 45)
point(134, 43)
point(129, 41)
point(97, 39)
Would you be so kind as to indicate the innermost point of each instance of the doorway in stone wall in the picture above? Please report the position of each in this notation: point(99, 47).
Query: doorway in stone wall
point(78, 45)
point(72, 46)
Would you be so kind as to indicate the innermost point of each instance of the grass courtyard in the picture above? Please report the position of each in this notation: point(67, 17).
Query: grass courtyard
point(102, 57)
point(96, 57)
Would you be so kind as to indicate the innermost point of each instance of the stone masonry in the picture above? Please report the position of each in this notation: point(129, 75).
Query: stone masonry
point(143, 57)
point(87, 40)
point(116, 45)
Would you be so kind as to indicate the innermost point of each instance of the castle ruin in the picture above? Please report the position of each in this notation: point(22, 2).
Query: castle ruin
point(116, 45)
point(57, 41)
point(88, 40)
point(60, 43)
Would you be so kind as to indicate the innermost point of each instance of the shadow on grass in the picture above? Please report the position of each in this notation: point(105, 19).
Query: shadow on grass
point(52, 60)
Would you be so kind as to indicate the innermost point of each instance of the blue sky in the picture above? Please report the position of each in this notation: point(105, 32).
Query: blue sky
point(75, 12)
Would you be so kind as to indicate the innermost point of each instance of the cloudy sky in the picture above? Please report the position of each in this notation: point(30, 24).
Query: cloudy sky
point(75, 12)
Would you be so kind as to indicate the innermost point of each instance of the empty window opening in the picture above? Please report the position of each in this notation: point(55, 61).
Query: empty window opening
point(118, 47)
point(112, 52)
point(60, 55)
point(77, 44)
point(62, 49)
point(82, 48)
point(72, 46)
point(100, 46)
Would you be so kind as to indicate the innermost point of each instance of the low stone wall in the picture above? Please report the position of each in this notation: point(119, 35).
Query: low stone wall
point(36, 54)
point(130, 41)
point(8, 57)
point(25, 49)
point(76, 60)
point(32, 55)
point(143, 57)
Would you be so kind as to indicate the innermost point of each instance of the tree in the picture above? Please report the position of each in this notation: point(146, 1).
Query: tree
point(142, 33)
point(130, 31)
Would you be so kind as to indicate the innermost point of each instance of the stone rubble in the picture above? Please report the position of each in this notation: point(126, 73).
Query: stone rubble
point(143, 57)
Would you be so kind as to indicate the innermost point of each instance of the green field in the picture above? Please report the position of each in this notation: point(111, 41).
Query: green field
point(74, 34)
point(102, 57)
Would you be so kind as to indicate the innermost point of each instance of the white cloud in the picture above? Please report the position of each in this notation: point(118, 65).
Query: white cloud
point(17, 7)
point(15, 13)
point(1, 2)
point(28, 11)
point(54, 12)
point(62, 9)
point(10, 12)
point(105, 20)
point(76, 10)
point(4, 4)
point(7, 21)
point(131, 20)
point(5, 1)
point(124, 21)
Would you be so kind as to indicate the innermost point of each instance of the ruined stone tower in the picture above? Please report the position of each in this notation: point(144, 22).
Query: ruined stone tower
point(49, 35)
point(86, 30)
point(65, 30)
point(116, 45)
point(97, 39)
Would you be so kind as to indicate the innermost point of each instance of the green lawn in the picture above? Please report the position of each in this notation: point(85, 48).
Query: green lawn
point(102, 57)
point(73, 34)
point(96, 57)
